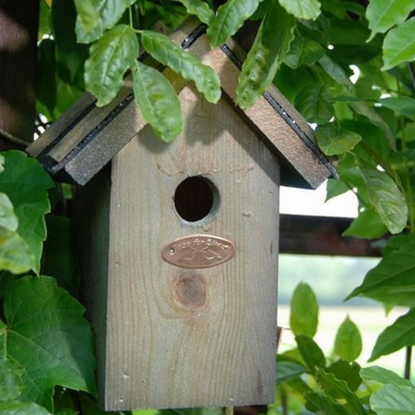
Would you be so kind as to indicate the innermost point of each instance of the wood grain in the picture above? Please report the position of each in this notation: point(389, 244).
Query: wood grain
point(188, 338)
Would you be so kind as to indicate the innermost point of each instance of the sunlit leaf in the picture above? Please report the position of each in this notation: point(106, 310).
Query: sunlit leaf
point(311, 353)
point(401, 105)
point(302, 9)
point(48, 338)
point(8, 219)
point(333, 140)
point(399, 45)
point(393, 400)
point(109, 60)
point(165, 51)
point(348, 341)
point(22, 408)
point(271, 44)
point(315, 103)
point(88, 17)
point(158, 101)
point(97, 16)
point(386, 197)
point(303, 311)
point(303, 51)
point(384, 14)
point(367, 225)
point(400, 334)
point(10, 377)
point(198, 8)
point(26, 184)
point(15, 254)
point(229, 18)
point(383, 376)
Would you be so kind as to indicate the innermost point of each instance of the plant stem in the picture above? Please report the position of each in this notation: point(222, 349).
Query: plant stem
point(229, 410)
point(408, 361)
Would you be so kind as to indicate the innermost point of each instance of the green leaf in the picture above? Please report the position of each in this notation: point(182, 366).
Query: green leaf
point(335, 71)
point(59, 258)
point(384, 14)
point(302, 9)
point(399, 45)
point(392, 281)
point(303, 311)
point(8, 219)
point(26, 184)
point(320, 402)
point(348, 341)
point(87, 19)
point(48, 338)
point(400, 334)
point(109, 60)
point(393, 400)
point(21, 408)
point(46, 83)
point(362, 108)
point(271, 44)
point(10, 378)
point(335, 187)
point(70, 54)
point(288, 370)
point(96, 16)
point(15, 254)
point(164, 50)
point(333, 140)
point(349, 372)
point(200, 9)
point(401, 105)
point(315, 103)
point(229, 18)
point(158, 102)
point(310, 352)
point(339, 389)
point(386, 198)
point(397, 242)
point(383, 376)
point(303, 51)
point(367, 225)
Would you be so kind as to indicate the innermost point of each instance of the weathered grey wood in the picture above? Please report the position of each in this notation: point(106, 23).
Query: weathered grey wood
point(92, 222)
point(291, 138)
point(164, 346)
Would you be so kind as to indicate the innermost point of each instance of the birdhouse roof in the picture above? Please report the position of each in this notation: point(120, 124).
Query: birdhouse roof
point(76, 146)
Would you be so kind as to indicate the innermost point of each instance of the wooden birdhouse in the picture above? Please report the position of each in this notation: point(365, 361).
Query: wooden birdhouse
point(179, 242)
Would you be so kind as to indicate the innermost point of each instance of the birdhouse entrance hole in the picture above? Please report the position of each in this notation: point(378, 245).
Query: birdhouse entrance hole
point(195, 198)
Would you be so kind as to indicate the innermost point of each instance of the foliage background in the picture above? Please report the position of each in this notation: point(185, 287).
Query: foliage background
point(309, 49)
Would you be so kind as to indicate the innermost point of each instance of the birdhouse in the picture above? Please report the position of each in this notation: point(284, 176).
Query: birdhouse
point(179, 242)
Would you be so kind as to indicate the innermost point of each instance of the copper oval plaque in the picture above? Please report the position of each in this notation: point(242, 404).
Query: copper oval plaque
point(198, 251)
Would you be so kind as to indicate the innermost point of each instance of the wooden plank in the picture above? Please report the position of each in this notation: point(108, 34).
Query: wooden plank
point(315, 235)
point(59, 128)
point(165, 346)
